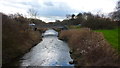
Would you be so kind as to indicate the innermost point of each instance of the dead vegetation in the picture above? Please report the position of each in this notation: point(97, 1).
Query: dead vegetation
point(89, 48)
point(16, 39)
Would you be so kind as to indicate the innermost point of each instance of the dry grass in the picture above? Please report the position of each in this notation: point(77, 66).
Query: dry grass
point(89, 48)
point(15, 40)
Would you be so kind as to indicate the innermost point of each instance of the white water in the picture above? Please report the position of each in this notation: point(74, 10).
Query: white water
point(49, 52)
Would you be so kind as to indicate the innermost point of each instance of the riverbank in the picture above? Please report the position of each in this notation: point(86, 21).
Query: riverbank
point(16, 40)
point(112, 37)
point(89, 48)
point(14, 51)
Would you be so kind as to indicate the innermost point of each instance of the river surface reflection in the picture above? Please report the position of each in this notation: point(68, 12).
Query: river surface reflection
point(49, 52)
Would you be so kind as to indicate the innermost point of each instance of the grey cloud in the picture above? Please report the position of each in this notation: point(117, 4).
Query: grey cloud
point(56, 9)
point(50, 8)
point(48, 3)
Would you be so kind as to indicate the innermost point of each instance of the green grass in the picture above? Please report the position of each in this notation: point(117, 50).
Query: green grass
point(111, 36)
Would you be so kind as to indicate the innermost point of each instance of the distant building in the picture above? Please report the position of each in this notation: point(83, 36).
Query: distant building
point(32, 26)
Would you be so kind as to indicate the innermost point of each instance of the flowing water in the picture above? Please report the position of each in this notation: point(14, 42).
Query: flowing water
point(49, 52)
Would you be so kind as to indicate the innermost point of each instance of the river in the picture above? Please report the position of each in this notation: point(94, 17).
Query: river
point(49, 52)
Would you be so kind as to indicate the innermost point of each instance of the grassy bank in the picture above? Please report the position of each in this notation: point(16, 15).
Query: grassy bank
point(89, 48)
point(16, 39)
point(111, 36)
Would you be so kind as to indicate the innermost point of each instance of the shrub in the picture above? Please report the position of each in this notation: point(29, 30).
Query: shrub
point(99, 23)
point(15, 40)
point(89, 48)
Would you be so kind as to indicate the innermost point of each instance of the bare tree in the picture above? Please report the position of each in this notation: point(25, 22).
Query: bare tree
point(32, 12)
point(116, 14)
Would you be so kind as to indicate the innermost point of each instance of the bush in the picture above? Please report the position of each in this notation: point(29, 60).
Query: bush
point(89, 48)
point(15, 40)
point(99, 23)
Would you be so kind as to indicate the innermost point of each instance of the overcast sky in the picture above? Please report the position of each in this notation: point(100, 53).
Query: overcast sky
point(50, 10)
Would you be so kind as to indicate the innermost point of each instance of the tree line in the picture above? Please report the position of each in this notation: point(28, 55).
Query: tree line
point(87, 19)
